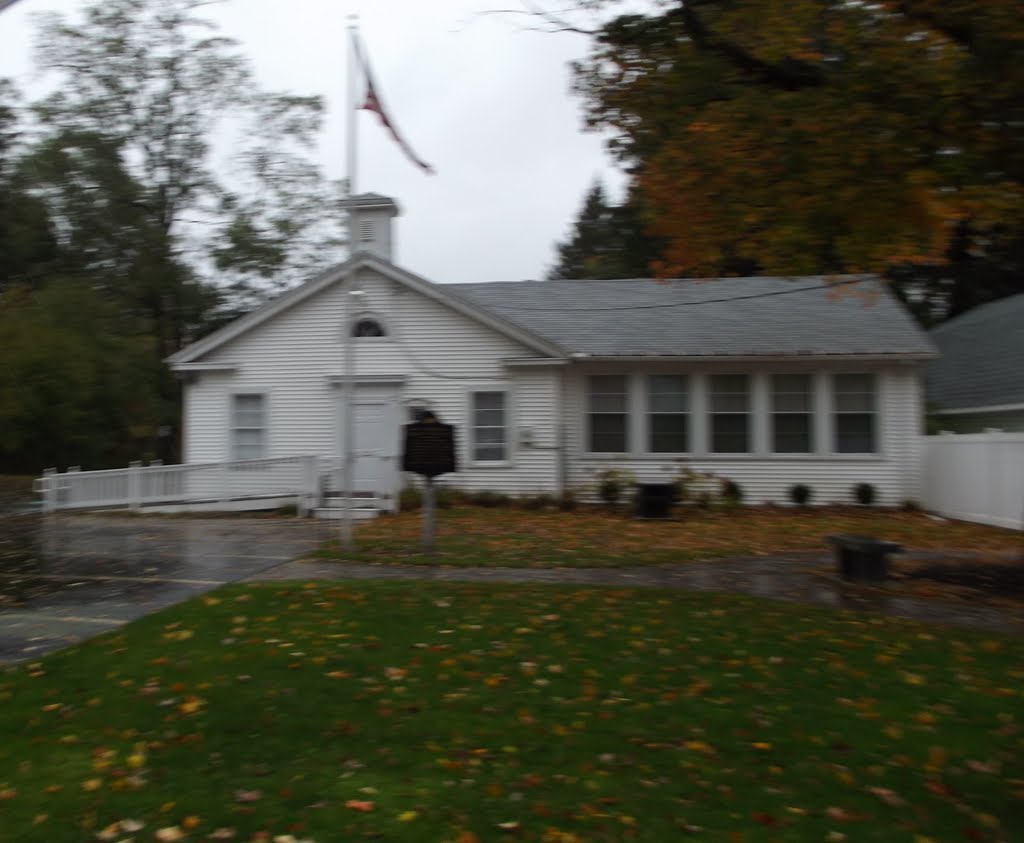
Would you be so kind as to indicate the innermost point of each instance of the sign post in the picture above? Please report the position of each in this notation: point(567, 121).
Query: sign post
point(429, 450)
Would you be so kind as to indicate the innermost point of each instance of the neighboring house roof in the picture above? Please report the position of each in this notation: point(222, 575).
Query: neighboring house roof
point(982, 363)
point(729, 317)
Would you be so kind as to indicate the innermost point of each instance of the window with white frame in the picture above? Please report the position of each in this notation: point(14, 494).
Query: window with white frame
point(668, 414)
point(792, 415)
point(489, 413)
point(248, 426)
point(730, 414)
point(607, 414)
point(854, 413)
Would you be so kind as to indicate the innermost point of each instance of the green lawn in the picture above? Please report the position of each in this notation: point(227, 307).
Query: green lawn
point(456, 712)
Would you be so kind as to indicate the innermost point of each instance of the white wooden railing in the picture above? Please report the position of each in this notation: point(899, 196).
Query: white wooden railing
point(975, 477)
point(190, 485)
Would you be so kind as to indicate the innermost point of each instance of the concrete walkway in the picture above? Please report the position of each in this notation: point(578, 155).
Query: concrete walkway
point(84, 575)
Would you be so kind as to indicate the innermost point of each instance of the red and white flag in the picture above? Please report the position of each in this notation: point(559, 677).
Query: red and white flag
point(372, 102)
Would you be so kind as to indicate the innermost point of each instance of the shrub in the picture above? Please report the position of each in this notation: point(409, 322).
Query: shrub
point(537, 502)
point(800, 493)
point(864, 494)
point(446, 497)
point(910, 505)
point(567, 501)
point(611, 484)
point(732, 492)
point(409, 499)
point(489, 499)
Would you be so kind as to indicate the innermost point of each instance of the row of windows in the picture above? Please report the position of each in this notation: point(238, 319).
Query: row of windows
point(668, 414)
point(489, 429)
point(667, 417)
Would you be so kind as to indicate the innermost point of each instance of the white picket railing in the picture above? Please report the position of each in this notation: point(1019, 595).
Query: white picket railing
point(975, 477)
point(193, 484)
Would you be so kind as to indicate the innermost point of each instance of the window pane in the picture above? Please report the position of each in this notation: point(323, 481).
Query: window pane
point(792, 434)
point(607, 393)
point(608, 433)
point(608, 383)
point(855, 383)
point(247, 411)
point(855, 433)
point(607, 403)
point(791, 393)
point(729, 433)
point(668, 434)
point(489, 453)
point(855, 403)
point(729, 393)
point(667, 394)
point(482, 418)
point(490, 435)
point(248, 423)
point(489, 400)
point(489, 426)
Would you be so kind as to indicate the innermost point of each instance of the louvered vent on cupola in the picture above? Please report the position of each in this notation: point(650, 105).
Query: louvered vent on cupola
point(370, 227)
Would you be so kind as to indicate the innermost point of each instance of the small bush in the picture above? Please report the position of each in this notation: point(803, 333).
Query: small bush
point(446, 497)
point(800, 493)
point(489, 499)
point(910, 505)
point(732, 492)
point(537, 502)
point(410, 499)
point(612, 484)
point(864, 494)
point(567, 501)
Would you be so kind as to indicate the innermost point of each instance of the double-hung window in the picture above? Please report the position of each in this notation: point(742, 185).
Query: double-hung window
point(730, 414)
point(607, 414)
point(489, 411)
point(792, 417)
point(667, 414)
point(854, 413)
point(248, 426)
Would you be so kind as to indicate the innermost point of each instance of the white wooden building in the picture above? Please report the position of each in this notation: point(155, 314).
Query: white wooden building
point(766, 381)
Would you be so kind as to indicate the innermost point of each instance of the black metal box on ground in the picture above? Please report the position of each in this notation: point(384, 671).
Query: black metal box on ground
point(654, 500)
point(862, 557)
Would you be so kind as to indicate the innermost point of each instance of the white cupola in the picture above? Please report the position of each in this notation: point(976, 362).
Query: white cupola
point(370, 216)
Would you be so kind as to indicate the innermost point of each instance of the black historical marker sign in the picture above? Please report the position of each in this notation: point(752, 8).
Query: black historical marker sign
point(429, 448)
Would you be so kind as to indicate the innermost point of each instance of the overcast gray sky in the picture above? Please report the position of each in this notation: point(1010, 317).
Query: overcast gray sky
point(482, 99)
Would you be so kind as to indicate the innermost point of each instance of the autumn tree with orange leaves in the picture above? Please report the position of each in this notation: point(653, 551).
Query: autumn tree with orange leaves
point(815, 136)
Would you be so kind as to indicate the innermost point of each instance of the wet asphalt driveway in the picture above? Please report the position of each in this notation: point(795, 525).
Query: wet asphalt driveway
point(78, 576)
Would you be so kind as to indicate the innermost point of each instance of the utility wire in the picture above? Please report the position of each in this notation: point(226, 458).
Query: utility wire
point(662, 305)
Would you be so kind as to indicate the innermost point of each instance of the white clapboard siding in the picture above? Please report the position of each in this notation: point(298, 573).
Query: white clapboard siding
point(766, 477)
point(295, 360)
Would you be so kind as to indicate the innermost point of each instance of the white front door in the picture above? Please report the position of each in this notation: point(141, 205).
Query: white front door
point(376, 431)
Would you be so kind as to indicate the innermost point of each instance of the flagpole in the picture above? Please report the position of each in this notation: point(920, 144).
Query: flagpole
point(352, 136)
point(348, 542)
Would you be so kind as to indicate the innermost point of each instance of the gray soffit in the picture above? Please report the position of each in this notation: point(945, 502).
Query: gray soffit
point(729, 317)
point(982, 363)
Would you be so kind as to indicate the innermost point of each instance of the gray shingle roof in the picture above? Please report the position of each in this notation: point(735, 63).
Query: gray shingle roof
point(982, 363)
point(719, 317)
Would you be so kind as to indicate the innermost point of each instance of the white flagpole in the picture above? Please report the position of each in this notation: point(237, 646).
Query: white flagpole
point(348, 385)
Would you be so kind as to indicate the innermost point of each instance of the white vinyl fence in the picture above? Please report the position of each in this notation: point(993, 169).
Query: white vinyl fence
point(975, 477)
point(243, 484)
